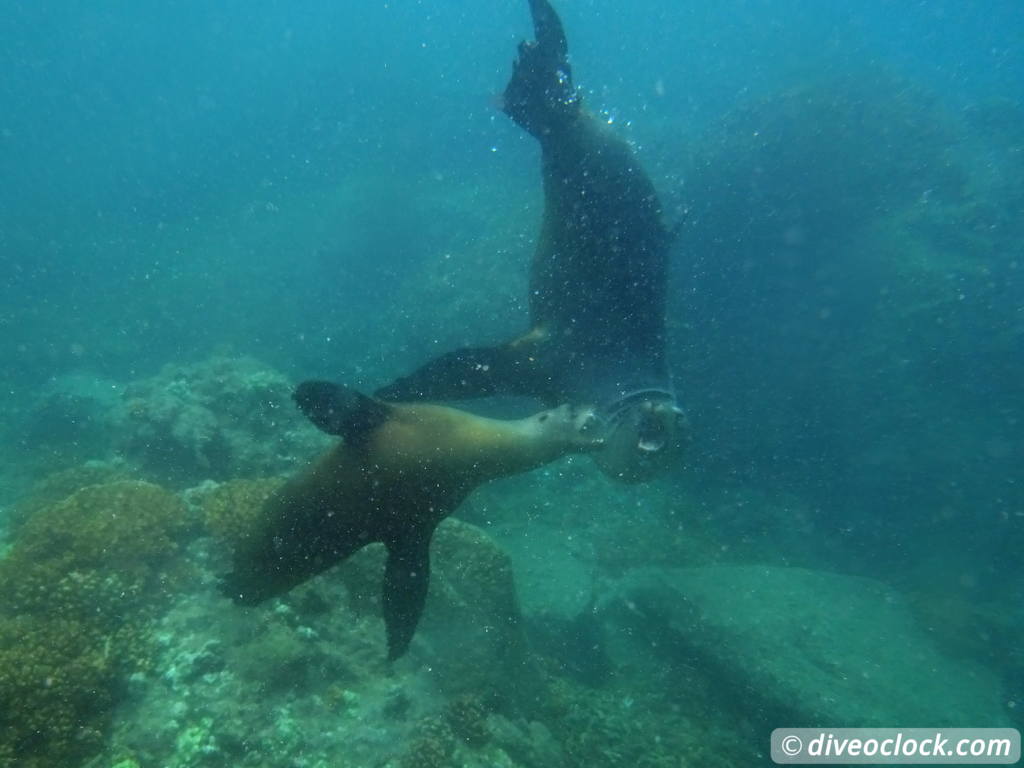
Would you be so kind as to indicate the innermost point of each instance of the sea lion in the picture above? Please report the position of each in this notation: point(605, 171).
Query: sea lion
point(400, 470)
point(597, 278)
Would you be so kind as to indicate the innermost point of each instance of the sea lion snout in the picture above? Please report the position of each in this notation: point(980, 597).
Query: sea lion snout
point(578, 426)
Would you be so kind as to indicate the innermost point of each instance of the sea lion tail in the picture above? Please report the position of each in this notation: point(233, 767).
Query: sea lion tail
point(540, 95)
point(338, 410)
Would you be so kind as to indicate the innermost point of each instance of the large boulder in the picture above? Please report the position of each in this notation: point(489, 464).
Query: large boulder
point(801, 647)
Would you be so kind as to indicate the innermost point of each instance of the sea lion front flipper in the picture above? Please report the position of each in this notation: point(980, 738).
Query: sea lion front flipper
point(338, 410)
point(406, 578)
point(469, 373)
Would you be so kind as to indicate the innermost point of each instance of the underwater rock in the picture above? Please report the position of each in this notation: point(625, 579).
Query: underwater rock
point(800, 646)
point(768, 177)
point(68, 419)
point(553, 576)
point(777, 271)
point(220, 418)
point(472, 619)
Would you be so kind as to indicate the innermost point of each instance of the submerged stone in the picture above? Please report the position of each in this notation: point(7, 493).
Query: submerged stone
point(802, 647)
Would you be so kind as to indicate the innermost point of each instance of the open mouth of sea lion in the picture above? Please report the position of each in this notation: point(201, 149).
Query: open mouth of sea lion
point(642, 432)
point(651, 441)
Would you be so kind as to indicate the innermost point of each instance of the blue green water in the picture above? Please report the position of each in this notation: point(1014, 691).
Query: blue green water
point(331, 190)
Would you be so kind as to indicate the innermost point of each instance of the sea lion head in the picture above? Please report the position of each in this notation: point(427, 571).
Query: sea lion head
point(643, 435)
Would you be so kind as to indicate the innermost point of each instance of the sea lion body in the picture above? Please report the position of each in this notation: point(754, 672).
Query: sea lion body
point(400, 471)
point(598, 275)
point(597, 278)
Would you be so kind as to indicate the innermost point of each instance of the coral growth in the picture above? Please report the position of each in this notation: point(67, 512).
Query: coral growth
point(431, 746)
point(230, 510)
point(57, 486)
point(224, 417)
point(83, 576)
point(56, 681)
point(467, 717)
point(606, 727)
point(124, 526)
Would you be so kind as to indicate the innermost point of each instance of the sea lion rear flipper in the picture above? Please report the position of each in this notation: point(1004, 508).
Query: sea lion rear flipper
point(468, 373)
point(540, 96)
point(548, 30)
point(338, 410)
point(406, 578)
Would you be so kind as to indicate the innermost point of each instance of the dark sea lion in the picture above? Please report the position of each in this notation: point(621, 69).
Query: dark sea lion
point(400, 470)
point(597, 278)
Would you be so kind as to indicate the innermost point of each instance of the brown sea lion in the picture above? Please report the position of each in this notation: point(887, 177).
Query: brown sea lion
point(597, 278)
point(400, 470)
